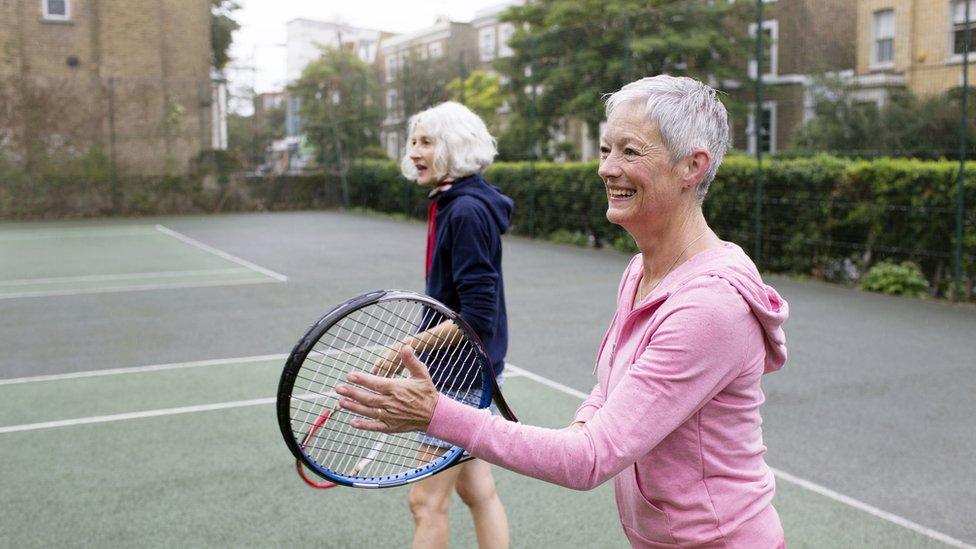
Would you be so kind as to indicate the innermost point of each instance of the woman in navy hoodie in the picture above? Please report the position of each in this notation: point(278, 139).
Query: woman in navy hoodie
point(448, 150)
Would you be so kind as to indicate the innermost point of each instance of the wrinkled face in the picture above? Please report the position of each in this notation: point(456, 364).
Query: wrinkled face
point(422, 155)
point(641, 183)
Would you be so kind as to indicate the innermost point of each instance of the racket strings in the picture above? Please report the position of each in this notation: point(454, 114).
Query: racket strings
point(362, 337)
point(357, 343)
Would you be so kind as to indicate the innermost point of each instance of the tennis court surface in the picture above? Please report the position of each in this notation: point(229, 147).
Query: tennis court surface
point(141, 358)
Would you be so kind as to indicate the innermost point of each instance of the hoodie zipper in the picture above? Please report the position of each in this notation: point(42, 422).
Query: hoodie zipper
point(616, 337)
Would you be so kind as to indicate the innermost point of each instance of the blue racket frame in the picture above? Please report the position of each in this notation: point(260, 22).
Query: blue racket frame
point(453, 456)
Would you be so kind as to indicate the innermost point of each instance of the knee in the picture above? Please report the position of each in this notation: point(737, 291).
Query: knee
point(426, 504)
point(476, 493)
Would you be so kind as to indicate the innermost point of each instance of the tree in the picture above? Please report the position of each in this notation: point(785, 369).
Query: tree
point(222, 27)
point(422, 83)
point(573, 52)
point(338, 107)
point(481, 92)
point(905, 125)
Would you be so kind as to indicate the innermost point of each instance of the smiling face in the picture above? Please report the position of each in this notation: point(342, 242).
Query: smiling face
point(422, 156)
point(643, 186)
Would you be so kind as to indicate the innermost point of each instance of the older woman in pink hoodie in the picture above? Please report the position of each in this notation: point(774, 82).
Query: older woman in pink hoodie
point(674, 416)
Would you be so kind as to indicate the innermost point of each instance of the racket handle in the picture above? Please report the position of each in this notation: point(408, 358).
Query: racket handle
point(318, 484)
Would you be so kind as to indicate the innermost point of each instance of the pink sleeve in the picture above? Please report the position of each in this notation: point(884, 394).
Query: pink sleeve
point(589, 407)
point(702, 344)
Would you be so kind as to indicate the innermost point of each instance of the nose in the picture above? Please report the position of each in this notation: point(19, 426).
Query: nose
point(412, 153)
point(608, 169)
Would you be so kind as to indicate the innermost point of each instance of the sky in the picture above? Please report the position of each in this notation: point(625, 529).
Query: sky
point(258, 53)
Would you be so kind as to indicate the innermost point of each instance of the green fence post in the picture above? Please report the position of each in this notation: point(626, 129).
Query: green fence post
point(534, 136)
point(960, 179)
point(757, 131)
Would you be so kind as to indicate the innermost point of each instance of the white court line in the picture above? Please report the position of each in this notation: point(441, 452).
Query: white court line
point(136, 415)
point(126, 276)
point(80, 232)
point(871, 510)
point(142, 369)
point(518, 372)
point(142, 287)
point(196, 243)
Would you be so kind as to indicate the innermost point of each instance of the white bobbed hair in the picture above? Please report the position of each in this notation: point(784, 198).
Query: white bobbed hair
point(462, 144)
point(686, 112)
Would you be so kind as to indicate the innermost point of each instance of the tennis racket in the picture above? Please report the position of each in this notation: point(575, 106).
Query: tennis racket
point(365, 334)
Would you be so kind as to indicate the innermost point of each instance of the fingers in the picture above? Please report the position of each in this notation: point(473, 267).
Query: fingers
point(359, 395)
point(351, 403)
point(412, 363)
point(374, 383)
point(370, 425)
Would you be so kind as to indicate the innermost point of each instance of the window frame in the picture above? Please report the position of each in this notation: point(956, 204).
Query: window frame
point(392, 145)
point(487, 34)
point(875, 63)
point(955, 26)
point(752, 136)
point(505, 33)
point(46, 14)
point(772, 63)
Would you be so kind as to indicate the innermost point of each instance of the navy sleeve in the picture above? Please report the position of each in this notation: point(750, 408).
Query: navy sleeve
point(474, 240)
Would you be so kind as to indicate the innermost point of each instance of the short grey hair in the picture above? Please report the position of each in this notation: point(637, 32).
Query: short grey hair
point(686, 112)
point(462, 144)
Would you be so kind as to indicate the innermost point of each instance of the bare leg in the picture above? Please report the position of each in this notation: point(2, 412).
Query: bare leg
point(476, 487)
point(429, 501)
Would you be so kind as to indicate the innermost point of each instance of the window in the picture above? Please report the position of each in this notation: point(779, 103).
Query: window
point(392, 150)
point(58, 10)
point(436, 49)
point(391, 101)
point(391, 67)
point(770, 43)
point(486, 41)
point(505, 32)
point(959, 27)
point(767, 128)
point(883, 52)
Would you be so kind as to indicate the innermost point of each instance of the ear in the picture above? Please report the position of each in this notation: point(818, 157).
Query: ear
point(695, 166)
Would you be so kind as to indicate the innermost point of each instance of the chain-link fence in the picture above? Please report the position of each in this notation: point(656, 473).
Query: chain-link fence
point(847, 152)
point(100, 132)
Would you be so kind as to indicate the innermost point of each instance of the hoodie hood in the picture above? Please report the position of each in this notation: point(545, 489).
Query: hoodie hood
point(767, 305)
point(733, 265)
point(499, 205)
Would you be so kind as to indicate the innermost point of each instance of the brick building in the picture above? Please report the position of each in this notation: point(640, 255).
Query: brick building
point(129, 76)
point(445, 45)
point(802, 39)
point(911, 44)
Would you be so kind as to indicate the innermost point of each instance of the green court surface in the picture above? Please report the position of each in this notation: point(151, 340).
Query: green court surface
point(143, 415)
point(191, 455)
point(223, 477)
point(84, 259)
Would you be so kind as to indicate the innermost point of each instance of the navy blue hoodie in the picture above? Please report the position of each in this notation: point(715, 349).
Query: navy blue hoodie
point(466, 267)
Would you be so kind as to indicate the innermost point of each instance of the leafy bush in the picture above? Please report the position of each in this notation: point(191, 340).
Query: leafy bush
point(823, 216)
point(893, 279)
point(564, 236)
point(625, 243)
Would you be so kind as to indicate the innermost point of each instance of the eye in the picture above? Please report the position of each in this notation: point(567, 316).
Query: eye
point(629, 151)
point(604, 151)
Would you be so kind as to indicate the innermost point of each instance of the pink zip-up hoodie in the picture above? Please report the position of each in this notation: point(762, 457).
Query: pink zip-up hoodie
point(674, 416)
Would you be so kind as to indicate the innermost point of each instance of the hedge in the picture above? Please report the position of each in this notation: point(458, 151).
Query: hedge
point(823, 216)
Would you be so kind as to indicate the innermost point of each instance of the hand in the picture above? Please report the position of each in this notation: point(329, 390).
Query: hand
point(389, 364)
point(391, 405)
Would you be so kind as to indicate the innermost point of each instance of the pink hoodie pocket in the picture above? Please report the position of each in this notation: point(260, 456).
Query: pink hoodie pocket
point(638, 515)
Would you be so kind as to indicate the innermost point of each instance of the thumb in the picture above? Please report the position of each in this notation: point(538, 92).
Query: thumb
point(413, 364)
